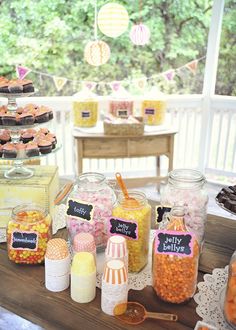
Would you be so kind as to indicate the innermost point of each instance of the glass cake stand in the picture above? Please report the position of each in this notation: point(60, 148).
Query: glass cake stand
point(19, 171)
point(12, 105)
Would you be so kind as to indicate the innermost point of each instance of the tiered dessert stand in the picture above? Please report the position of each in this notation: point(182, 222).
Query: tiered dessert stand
point(18, 170)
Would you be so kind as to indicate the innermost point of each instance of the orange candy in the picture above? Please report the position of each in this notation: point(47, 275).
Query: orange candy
point(230, 299)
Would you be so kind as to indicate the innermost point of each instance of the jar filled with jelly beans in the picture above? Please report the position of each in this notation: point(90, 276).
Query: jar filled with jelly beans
point(93, 193)
point(28, 232)
point(133, 220)
point(175, 259)
point(185, 188)
point(230, 296)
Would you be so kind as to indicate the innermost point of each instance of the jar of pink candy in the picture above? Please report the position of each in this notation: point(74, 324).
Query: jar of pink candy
point(185, 188)
point(89, 207)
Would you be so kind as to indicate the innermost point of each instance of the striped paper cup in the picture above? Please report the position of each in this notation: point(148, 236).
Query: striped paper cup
point(115, 272)
point(116, 247)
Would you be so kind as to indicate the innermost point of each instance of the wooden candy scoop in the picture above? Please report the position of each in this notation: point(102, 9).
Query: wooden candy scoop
point(129, 201)
point(135, 313)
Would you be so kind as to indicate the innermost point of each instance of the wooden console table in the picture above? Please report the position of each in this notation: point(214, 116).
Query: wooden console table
point(99, 145)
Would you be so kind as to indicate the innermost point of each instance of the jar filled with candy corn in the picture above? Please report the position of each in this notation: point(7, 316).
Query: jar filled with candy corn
point(175, 259)
point(89, 207)
point(131, 218)
point(230, 296)
point(185, 188)
point(28, 232)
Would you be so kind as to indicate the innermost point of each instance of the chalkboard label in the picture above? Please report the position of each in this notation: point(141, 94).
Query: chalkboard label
point(149, 111)
point(85, 114)
point(174, 243)
point(24, 240)
point(129, 229)
point(80, 209)
point(160, 211)
point(122, 113)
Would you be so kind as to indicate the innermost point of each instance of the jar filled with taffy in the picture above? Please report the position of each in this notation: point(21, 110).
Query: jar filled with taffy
point(132, 218)
point(28, 232)
point(175, 259)
point(230, 296)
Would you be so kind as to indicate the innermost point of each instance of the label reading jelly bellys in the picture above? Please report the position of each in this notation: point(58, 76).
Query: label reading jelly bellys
point(24, 240)
point(118, 226)
point(174, 243)
point(80, 209)
point(85, 114)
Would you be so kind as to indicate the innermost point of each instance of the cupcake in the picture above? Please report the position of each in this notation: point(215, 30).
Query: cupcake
point(43, 130)
point(26, 119)
point(52, 140)
point(41, 116)
point(50, 114)
point(9, 150)
point(27, 136)
point(8, 119)
point(45, 146)
point(31, 149)
point(1, 152)
point(20, 148)
point(4, 137)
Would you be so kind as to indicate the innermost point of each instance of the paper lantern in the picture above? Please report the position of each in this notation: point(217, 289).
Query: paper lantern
point(97, 52)
point(140, 34)
point(113, 20)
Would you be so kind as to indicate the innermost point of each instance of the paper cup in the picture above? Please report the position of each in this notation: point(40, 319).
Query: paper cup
point(115, 272)
point(57, 267)
point(116, 247)
point(57, 249)
point(84, 242)
point(57, 283)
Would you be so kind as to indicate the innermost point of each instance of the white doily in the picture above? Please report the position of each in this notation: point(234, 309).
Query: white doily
point(210, 298)
point(136, 281)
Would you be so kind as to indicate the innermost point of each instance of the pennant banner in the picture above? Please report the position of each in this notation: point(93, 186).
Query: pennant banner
point(141, 83)
point(59, 82)
point(115, 85)
point(192, 66)
point(89, 85)
point(22, 71)
point(169, 75)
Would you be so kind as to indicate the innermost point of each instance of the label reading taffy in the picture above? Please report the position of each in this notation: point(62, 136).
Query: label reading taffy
point(85, 114)
point(24, 240)
point(122, 113)
point(160, 211)
point(118, 226)
point(174, 243)
point(80, 209)
point(149, 111)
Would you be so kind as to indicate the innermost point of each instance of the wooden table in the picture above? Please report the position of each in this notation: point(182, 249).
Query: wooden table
point(22, 290)
point(99, 146)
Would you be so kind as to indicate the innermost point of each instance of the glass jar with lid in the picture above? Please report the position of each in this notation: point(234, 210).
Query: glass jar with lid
point(28, 232)
point(230, 296)
point(185, 188)
point(89, 207)
point(133, 221)
point(175, 259)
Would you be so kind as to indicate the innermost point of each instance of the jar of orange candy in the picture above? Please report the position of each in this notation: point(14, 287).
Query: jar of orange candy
point(28, 232)
point(175, 259)
point(230, 297)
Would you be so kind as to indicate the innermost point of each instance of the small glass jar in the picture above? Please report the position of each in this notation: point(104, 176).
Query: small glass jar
point(121, 108)
point(174, 275)
point(230, 296)
point(185, 188)
point(141, 217)
point(28, 232)
point(92, 189)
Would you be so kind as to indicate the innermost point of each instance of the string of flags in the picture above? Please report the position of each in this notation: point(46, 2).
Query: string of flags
point(60, 82)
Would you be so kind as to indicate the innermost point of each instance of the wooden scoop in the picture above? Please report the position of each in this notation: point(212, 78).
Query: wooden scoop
point(129, 201)
point(135, 313)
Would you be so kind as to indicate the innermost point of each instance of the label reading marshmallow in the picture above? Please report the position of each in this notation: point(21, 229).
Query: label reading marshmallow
point(122, 113)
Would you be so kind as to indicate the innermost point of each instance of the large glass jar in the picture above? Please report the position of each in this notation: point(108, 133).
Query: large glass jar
point(186, 188)
point(85, 113)
point(28, 232)
point(137, 216)
point(92, 190)
point(153, 107)
point(175, 259)
point(230, 297)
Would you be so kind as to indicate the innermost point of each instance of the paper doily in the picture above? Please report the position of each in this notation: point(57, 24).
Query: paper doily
point(137, 281)
point(210, 298)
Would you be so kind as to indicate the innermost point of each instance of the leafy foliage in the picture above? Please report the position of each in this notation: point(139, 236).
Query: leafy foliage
point(50, 36)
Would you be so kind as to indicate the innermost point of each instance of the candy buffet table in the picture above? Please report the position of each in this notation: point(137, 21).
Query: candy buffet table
point(98, 145)
point(22, 291)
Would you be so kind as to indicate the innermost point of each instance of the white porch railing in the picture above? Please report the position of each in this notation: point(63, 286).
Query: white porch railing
point(184, 112)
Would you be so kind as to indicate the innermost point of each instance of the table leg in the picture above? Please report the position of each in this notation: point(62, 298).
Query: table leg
point(171, 153)
point(158, 166)
point(79, 156)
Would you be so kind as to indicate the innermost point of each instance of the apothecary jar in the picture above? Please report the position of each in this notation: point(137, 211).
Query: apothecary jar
point(89, 207)
point(185, 188)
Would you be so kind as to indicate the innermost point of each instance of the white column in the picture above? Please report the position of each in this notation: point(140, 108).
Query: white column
point(213, 47)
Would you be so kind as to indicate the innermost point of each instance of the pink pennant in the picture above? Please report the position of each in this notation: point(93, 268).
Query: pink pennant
point(22, 71)
point(169, 75)
point(115, 85)
point(192, 66)
point(89, 85)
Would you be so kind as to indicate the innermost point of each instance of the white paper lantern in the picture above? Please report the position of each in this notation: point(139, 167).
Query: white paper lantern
point(140, 34)
point(113, 20)
point(97, 52)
